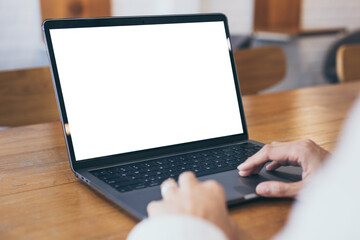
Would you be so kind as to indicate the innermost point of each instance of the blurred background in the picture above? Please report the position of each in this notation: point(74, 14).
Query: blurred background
point(309, 31)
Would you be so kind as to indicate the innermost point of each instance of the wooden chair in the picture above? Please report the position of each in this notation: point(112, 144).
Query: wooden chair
point(259, 68)
point(348, 63)
point(27, 97)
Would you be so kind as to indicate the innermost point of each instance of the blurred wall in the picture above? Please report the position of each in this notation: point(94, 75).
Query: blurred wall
point(21, 45)
point(20, 34)
point(238, 12)
point(331, 13)
point(146, 7)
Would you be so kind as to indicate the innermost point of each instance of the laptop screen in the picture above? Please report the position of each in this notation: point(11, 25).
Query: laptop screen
point(131, 88)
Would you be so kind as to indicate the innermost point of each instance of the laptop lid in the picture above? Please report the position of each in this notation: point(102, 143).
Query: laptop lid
point(139, 87)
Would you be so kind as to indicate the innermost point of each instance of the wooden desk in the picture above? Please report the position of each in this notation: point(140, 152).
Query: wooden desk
point(41, 199)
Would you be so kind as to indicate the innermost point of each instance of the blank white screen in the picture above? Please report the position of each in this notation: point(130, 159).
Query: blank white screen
point(129, 88)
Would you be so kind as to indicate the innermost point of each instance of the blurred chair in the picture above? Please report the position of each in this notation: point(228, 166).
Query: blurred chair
point(259, 68)
point(27, 97)
point(75, 8)
point(329, 68)
point(348, 63)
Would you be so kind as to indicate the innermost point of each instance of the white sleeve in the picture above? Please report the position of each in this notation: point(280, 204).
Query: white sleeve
point(176, 227)
point(329, 206)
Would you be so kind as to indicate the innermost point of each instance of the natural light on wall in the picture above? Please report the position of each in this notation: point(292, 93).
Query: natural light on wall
point(239, 12)
point(21, 45)
point(138, 7)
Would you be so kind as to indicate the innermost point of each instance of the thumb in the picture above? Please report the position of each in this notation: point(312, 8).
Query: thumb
point(278, 189)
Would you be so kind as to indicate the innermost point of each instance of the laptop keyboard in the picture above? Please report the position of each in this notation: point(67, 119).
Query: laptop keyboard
point(151, 173)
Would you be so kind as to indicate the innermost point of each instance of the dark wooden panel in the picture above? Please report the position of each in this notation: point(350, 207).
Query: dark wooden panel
point(259, 68)
point(280, 16)
point(75, 8)
point(27, 97)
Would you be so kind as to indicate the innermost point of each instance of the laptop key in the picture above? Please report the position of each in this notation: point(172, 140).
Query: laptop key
point(140, 186)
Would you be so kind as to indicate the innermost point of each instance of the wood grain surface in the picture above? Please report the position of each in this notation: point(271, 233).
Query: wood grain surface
point(41, 199)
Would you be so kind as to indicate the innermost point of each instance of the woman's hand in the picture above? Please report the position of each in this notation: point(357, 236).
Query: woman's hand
point(205, 200)
point(304, 153)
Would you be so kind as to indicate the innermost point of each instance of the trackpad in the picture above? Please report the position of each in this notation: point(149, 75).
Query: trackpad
point(243, 189)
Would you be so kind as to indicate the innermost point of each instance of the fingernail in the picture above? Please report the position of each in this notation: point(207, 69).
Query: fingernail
point(241, 173)
point(241, 166)
point(263, 189)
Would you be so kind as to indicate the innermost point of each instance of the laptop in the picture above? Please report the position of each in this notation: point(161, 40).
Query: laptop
point(143, 99)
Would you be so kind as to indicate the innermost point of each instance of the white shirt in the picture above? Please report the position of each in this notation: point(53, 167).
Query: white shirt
point(327, 208)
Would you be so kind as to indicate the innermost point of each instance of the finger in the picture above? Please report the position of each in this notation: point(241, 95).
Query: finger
point(187, 179)
point(154, 208)
point(255, 170)
point(168, 188)
point(273, 165)
point(278, 189)
point(279, 152)
point(215, 187)
point(258, 159)
point(251, 166)
point(245, 173)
